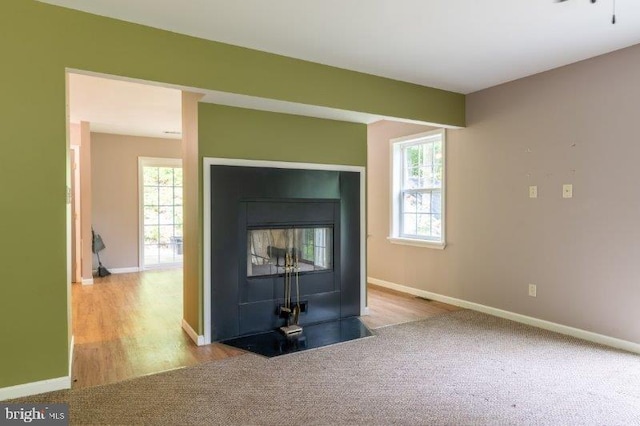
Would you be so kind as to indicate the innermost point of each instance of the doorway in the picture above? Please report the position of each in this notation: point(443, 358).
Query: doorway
point(161, 212)
point(129, 323)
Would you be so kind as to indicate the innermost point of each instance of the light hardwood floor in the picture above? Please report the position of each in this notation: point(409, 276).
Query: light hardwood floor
point(129, 325)
point(389, 307)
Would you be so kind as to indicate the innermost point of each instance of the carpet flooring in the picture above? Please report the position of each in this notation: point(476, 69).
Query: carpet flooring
point(461, 368)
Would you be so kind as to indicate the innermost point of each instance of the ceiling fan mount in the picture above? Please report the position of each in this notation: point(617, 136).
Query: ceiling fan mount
point(613, 16)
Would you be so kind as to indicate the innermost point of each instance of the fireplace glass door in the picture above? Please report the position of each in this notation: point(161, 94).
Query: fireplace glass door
point(308, 249)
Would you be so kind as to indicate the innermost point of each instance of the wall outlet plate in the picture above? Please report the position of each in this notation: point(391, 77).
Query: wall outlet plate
point(533, 191)
point(533, 290)
point(567, 190)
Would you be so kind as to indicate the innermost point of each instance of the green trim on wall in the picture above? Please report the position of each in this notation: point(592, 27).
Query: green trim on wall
point(38, 42)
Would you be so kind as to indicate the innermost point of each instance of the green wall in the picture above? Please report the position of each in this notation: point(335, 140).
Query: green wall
point(229, 132)
point(38, 42)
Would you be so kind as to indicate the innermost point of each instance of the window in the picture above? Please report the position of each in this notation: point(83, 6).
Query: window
point(161, 212)
point(418, 190)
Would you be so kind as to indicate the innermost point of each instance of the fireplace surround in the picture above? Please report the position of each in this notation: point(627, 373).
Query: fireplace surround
point(260, 213)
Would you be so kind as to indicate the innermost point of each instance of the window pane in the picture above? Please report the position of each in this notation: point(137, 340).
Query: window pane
point(177, 215)
point(427, 177)
point(177, 176)
point(177, 196)
point(437, 177)
point(436, 202)
point(150, 215)
point(151, 234)
point(150, 196)
point(424, 203)
point(165, 176)
point(166, 215)
point(412, 178)
point(412, 156)
point(166, 232)
point(166, 196)
point(409, 203)
point(437, 164)
point(427, 154)
point(409, 224)
point(424, 225)
point(150, 175)
point(422, 166)
point(436, 225)
point(437, 152)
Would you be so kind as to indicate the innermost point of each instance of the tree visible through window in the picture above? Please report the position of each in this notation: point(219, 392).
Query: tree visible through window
point(418, 187)
point(162, 215)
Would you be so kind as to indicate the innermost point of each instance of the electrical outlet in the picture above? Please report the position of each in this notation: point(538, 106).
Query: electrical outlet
point(533, 290)
point(533, 191)
point(567, 190)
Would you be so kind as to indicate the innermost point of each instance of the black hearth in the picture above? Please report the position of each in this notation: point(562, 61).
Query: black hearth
point(274, 343)
point(258, 216)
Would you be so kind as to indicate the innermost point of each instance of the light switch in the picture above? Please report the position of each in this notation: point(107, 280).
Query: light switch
point(533, 191)
point(567, 190)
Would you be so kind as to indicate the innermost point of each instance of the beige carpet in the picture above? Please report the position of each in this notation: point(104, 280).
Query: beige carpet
point(456, 369)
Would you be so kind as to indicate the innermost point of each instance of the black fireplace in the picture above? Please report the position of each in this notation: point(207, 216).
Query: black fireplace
point(261, 215)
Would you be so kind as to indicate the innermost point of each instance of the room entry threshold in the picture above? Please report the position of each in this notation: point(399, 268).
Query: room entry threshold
point(274, 343)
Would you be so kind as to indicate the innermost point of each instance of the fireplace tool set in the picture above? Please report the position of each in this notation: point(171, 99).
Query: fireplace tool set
point(288, 311)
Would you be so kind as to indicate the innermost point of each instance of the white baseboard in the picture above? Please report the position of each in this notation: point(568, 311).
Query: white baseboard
point(71, 348)
point(35, 388)
point(366, 311)
point(124, 270)
point(198, 340)
point(547, 325)
point(87, 281)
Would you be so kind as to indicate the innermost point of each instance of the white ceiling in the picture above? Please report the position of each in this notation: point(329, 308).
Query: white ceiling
point(459, 45)
point(124, 107)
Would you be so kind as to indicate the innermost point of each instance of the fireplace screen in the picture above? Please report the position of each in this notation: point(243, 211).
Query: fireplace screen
point(310, 248)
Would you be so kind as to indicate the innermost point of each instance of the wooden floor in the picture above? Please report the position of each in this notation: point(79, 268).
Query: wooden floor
point(389, 307)
point(129, 325)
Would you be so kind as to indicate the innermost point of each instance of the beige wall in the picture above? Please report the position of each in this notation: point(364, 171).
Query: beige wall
point(192, 269)
point(114, 166)
point(85, 201)
point(74, 177)
point(575, 124)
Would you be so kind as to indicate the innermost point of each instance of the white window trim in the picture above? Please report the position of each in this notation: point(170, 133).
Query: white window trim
point(395, 171)
point(142, 163)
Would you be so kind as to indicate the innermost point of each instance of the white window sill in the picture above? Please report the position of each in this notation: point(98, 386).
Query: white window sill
point(417, 243)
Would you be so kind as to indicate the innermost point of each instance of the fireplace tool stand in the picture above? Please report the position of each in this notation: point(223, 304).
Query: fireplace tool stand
point(291, 314)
